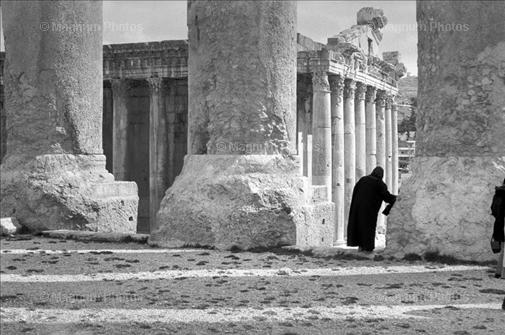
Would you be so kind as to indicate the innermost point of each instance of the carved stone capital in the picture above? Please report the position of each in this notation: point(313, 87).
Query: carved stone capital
point(360, 91)
point(155, 84)
point(349, 89)
point(381, 98)
point(390, 100)
point(320, 81)
point(371, 93)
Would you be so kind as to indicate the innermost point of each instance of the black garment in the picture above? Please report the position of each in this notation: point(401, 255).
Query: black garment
point(367, 197)
point(498, 211)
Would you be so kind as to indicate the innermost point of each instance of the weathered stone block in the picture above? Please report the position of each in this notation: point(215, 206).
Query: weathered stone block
point(9, 226)
point(67, 192)
point(445, 207)
point(317, 229)
point(233, 200)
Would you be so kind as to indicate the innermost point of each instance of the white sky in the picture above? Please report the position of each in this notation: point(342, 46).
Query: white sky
point(141, 21)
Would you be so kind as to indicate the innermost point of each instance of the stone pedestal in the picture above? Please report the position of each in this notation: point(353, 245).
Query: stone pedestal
point(53, 175)
point(460, 151)
point(241, 184)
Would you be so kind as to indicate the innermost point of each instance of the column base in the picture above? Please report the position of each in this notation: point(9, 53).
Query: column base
point(66, 191)
point(226, 201)
point(445, 208)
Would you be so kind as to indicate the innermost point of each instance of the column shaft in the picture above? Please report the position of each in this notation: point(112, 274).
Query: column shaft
point(321, 130)
point(349, 143)
point(338, 177)
point(371, 132)
point(395, 165)
point(119, 128)
point(360, 130)
point(54, 173)
point(157, 148)
point(381, 129)
point(389, 142)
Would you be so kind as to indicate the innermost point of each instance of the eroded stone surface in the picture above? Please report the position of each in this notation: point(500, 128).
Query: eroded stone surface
point(445, 207)
point(53, 175)
point(460, 149)
point(233, 200)
point(67, 192)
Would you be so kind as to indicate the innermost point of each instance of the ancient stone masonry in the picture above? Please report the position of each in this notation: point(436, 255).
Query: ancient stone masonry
point(246, 128)
point(460, 156)
point(53, 174)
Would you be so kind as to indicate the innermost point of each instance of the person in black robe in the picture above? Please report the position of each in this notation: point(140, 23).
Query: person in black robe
point(498, 211)
point(367, 197)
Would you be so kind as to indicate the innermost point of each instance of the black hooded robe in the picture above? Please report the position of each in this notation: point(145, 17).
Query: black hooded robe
point(498, 211)
point(367, 197)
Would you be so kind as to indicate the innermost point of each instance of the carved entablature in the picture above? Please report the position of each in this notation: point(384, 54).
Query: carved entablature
point(144, 60)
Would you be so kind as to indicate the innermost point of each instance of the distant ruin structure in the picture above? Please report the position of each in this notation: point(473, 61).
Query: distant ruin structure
point(274, 138)
point(460, 148)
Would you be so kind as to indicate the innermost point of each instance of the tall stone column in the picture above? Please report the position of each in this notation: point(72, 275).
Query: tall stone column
point(157, 148)
point(54, 176)
point(389, 141)
point(321, 130)
point(359, 112)
point(119, 128)
point(381, 128)
point(349, 143)
point(460, 151)
point(241, 183)
point(395, 164)
point(371, 132)
point(337, 144)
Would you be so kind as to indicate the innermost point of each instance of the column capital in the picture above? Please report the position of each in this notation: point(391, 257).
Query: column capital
point(350, 88)
point(155, 84)
point(390, 100)
point(336, 84)
point(371, 93)
point(320, 81)
point(381, 98)
point(360, 91)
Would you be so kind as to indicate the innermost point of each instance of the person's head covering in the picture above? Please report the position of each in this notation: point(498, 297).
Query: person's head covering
point(378, 172)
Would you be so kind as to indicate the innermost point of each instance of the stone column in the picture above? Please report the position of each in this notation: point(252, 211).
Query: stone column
point(359, 111)
point(395, 164)
point(389, 142)
point(321, 130)
point(54, 176)
point(157, 147)
point(460, 151)
point(241, 184)
point(381, 128)
point(371, 133)
point(349, 143)
point(119, 128)
point(337, 144)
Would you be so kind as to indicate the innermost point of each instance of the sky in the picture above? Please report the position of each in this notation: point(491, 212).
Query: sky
point(142, 21)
